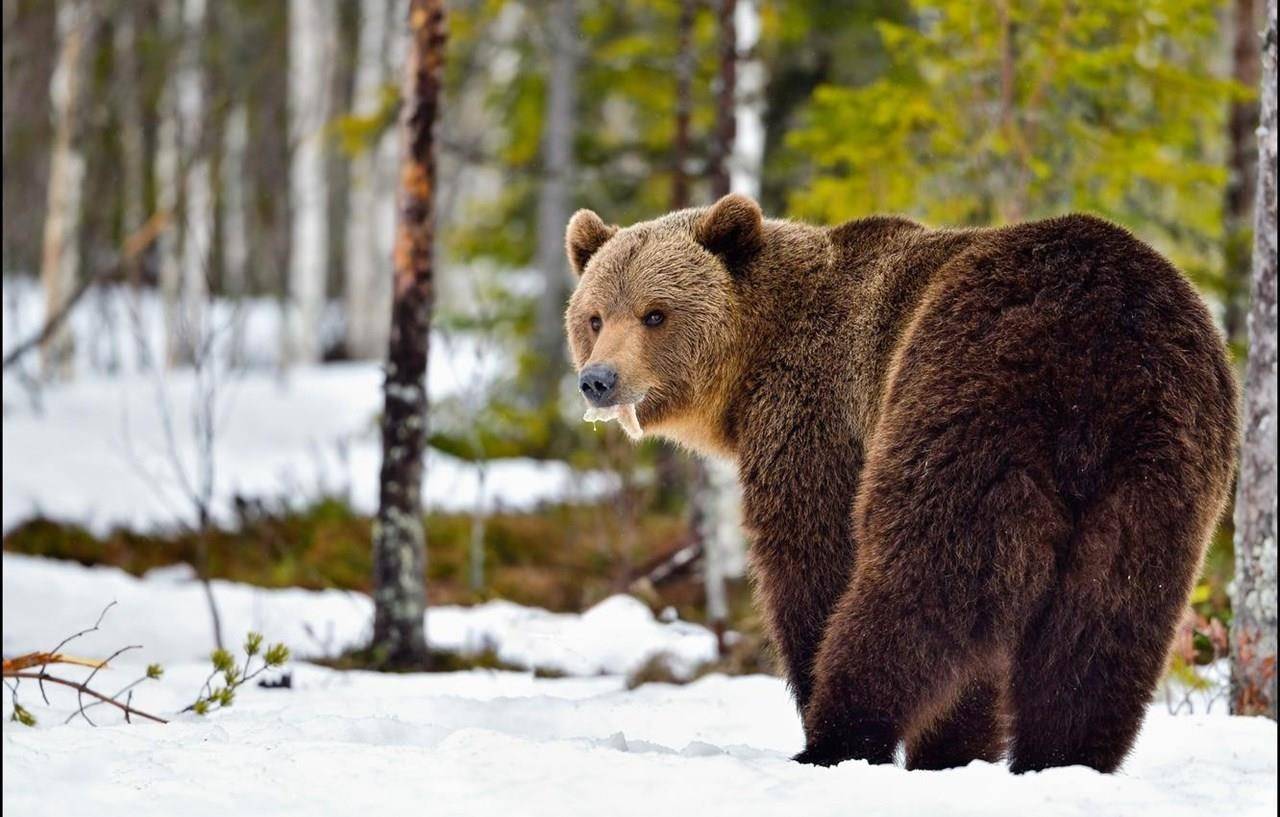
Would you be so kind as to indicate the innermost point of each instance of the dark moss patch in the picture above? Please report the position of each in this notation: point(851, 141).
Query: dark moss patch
point(365, 658)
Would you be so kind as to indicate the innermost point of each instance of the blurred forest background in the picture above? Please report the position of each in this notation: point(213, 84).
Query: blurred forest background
point(211, 185)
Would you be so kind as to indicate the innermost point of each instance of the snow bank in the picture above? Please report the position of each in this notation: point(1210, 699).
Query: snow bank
point(615, 636)
point(498, 743)
point(166, 612)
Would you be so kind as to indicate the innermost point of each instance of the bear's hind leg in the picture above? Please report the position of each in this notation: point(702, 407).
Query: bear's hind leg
point(943, 580)
point(1080, 688)
point(972, 729)
point(1090, 659)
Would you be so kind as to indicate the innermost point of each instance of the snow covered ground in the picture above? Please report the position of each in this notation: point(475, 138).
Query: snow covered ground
point(504, 743)
point(614, 637)
point(118, 449)
point(98, 453)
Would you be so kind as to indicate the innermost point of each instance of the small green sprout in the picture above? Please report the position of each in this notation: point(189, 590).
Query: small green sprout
point(276, 655)
point(222, 660)
point(236, 675)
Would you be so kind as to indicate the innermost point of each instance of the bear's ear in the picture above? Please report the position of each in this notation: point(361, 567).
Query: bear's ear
point(732, 228)
point(585, 234)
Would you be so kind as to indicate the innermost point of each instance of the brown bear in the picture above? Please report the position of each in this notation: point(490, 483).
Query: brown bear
point(980, 466)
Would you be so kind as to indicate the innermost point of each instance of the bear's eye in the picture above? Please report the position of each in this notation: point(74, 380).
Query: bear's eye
point(596, 323)
point(654, 318)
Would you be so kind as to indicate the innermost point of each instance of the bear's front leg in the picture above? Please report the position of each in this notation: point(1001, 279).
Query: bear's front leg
point(799, 481)
point(797, 602)
point(802, 560)
point(852, 714)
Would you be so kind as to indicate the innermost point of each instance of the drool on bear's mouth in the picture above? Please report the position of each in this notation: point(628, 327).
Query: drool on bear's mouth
point(624, 413)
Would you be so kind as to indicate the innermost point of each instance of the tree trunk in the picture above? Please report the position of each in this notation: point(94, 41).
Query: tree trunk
point(561, 29)
point(132, 143)
point(748, 148)
point(266, 92)
point(1242, 166)
point(677, 473)
point(1013, 178)
point(1253, 643)
point(197, 185)
point(60, 263)
point(168, 169)
point(399, 541)
point(8, 71)
point(312, 29)
point(366, 304)
point(30, 53)
point(386, 181)
point(726, 101)
point(347, 18)
point(685, 64)
point(715, 493)
point(235, 228)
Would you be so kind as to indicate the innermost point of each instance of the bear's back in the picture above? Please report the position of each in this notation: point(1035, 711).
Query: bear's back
point(1094, 309)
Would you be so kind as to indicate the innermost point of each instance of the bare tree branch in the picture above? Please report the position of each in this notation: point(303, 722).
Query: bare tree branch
point(68, 640)
point(53, 679)
point(84, 685)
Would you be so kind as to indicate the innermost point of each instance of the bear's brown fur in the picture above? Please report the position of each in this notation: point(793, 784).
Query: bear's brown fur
point(980, 467)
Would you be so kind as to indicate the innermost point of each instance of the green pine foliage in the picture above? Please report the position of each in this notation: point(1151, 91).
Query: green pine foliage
point(22, 715)
point(995, 112)
point(233, 675)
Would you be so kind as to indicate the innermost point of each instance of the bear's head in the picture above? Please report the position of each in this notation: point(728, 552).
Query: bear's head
point(654, 320)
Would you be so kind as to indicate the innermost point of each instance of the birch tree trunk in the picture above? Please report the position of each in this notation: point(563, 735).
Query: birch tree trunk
point(716, 497)
point(385, 209)
point(705, 500)
point(197, 185)
point(748, 138)
point(365, 296)
point(235, 228)
point(561, 29)
point(745, 171)
point(1253, 642)
point(399, 540)
point(168, 167)
point(387, 175)
point(312, 28)
point(60, 261)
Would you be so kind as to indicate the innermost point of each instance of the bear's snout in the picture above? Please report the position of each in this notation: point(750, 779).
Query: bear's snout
point(599, 384)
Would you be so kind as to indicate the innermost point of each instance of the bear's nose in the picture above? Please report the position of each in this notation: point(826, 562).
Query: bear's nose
point(598, 382)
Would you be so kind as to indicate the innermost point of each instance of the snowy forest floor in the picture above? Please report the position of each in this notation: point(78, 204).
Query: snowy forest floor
point(125, 430)
point(510, 743)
